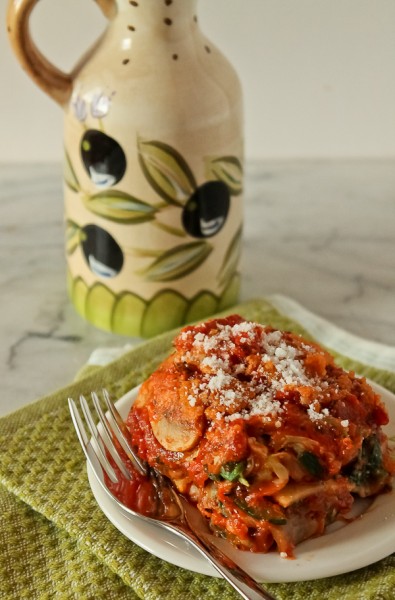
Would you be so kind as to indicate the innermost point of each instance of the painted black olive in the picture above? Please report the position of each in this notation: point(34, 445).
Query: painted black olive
point(101, 251)
point(103, 158)
point(206, 211)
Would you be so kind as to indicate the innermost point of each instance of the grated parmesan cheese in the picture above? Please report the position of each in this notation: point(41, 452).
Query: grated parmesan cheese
point(240, 397)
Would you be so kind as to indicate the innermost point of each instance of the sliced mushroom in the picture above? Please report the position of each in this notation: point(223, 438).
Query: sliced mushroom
point(177, 425)
point(178, 436)
point(294, 492)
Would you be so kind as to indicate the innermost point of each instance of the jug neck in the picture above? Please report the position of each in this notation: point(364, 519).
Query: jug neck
point(148, 13)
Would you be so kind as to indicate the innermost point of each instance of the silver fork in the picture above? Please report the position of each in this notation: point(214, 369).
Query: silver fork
point(172, 511)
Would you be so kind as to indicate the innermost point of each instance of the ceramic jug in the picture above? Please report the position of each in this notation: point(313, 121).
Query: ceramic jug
point(153, 175)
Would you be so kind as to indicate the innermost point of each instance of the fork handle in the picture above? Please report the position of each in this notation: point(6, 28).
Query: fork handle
point(245, 585)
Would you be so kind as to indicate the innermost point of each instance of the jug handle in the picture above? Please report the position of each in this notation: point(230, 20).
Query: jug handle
point(50, 79)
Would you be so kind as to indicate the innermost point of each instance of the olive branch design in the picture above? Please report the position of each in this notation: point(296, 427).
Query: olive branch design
point(170, 176)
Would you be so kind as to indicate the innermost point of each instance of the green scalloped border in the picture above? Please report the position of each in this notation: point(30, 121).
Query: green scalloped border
point(131, 315)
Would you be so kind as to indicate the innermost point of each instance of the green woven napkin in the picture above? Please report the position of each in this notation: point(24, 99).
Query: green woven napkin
point(56, 543)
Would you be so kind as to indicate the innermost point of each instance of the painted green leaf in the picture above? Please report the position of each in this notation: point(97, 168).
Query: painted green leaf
point(73, 236)
point(170, 229)
point(166, 171)
point(69, 175)
point(147, 252)
point(229, 170)
point(231, 258)
point(120, 207)
point(230, 294)
point(178, 262)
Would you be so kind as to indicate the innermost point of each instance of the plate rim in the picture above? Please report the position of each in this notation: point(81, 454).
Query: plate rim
point(167, 546)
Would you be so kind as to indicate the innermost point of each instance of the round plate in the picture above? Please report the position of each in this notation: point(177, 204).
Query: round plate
point(343, 547)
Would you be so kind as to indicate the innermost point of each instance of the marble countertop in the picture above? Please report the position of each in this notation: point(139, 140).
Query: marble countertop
point(320, 232)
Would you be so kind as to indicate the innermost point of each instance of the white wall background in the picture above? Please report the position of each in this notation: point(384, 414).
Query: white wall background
point(318, 75)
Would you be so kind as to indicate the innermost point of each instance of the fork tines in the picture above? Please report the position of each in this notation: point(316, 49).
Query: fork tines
point(110, 433)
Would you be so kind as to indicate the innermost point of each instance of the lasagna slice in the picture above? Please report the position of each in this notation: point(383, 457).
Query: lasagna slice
point(262, 431)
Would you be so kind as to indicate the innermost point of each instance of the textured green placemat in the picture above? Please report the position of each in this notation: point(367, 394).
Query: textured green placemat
point(56, 543)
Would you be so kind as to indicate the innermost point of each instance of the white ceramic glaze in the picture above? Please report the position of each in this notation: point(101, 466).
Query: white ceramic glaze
point(153, 166)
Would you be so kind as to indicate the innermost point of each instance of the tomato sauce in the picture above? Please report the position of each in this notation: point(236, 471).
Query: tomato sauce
point(262, 430)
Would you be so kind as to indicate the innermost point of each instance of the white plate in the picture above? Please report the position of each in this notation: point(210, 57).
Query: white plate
point(343, 548)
